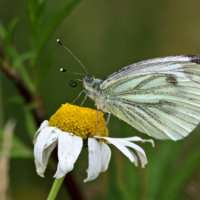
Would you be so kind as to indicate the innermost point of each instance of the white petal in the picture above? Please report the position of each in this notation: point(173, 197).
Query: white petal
point(105, 156)
point(40, 169)
point(139, 150)
point(94, 168)
point(40, 144)
point(77, 144)
point(59, 173)
point(65, 154)
point(132, 145)
point(143, 159)
point(52, 137)
point(51, 143)
point(120, 146)
point(47, 152)
point(135, 158)
point(136, 139)
point(42, 126)
point(152, 142)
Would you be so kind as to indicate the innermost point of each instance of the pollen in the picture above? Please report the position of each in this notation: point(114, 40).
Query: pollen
point(80, 121)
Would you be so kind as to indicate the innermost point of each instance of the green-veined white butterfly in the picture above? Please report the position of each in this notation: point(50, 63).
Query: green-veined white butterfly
point(159, 97)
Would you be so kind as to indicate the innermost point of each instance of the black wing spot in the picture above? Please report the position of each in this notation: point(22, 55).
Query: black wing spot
point(194, 58)
point(171, 80)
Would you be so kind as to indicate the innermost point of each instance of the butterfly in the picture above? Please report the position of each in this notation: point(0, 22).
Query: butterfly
point(159, 97)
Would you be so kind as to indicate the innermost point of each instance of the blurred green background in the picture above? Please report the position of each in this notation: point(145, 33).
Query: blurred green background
point(105, 36)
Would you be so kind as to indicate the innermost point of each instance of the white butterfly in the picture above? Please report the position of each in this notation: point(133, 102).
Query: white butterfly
point(159, 97)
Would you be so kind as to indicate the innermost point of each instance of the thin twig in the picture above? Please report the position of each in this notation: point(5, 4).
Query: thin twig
point(25, 93)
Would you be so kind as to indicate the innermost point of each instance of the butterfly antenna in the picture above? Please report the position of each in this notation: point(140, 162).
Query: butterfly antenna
point(63, 70)
point(73, 56)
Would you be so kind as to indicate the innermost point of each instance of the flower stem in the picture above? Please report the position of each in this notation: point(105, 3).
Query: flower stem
point(55, 188)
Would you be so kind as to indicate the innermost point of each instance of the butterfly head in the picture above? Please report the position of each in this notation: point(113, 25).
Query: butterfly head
point(92, 85)
point(88, 81)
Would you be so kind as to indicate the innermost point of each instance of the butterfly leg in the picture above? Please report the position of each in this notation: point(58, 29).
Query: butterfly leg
point(107, 121)
point(79, 96)
point(84, 99)
point(97, 120)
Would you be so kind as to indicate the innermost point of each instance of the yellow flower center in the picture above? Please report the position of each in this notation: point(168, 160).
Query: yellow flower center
point(80, 121)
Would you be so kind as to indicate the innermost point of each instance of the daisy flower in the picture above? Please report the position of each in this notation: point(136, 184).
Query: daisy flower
point(72, 128)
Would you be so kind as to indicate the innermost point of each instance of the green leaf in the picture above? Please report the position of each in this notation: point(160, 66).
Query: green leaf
point(30, 5)
point(36, 26)
point(51, 27)
point(45, 68)
point(8, 38)
point(133, 180)
point(114, 179)
point(29, 83)
point(35, 10)
point(2, 31)
point(20, 150)
point(179, 179)
point(15, 99)
point(30, 123)
point(22, 69)
point(18, 62)
point(163, 159)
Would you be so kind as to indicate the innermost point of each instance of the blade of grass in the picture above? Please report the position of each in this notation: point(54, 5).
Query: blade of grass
point(161, 161)
point(178, 180)
point(35, 10)
point(20, 150)
point(2, 31)
point(45, 68)
point(30, 6)
point(133, 181)
point(51, 27)
point(19, 65)
point(114, 189)
point(133, 177)
point(8, 38)
point(18, 61)
point(36, 25)
point(30, 123)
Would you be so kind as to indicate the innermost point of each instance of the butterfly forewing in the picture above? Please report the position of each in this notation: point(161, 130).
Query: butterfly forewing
point(160, 97)
point(170, 65)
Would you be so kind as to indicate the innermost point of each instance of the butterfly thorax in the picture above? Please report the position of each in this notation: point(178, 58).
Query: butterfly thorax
point(92, 85)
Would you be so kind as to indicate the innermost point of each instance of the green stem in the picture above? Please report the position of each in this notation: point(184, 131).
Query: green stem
point(55, 188)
